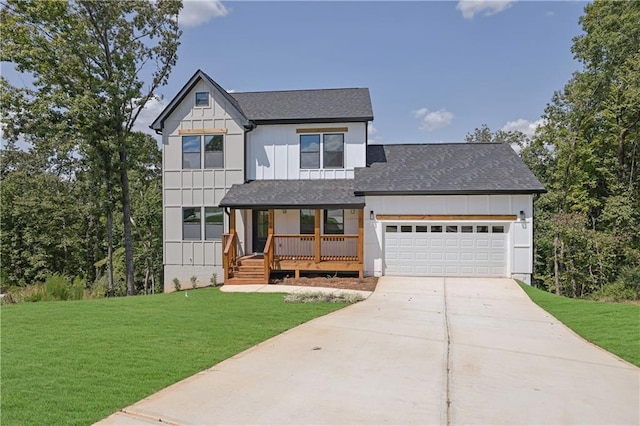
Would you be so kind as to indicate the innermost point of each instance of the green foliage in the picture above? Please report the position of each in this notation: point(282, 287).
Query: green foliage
point(92, 66)
point(612, 326)
point(320, 297)
point(194, 281)
point(66, 363)
point(587, 154)
point(176, 284)
point(214, 280)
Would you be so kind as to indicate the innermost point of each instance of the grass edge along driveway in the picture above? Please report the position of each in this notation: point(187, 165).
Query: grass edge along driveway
point(77, 362)
point(614, 327)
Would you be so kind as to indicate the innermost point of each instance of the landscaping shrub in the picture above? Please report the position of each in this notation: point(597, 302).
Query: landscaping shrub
point(319, 297)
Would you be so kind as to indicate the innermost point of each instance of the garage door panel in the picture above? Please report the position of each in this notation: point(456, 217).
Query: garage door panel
point(473, 250)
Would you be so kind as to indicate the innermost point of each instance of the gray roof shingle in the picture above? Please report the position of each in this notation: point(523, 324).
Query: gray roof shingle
point(293, 194)
point(306, 105)
point(453, 168)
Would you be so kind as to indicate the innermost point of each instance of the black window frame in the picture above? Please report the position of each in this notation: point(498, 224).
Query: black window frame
point(204, 142)
point(317, 153)
point(325, 152)
point(328, 230)
point(304, 226)
point(187, 166)
point(196, 100)
point(215, 139)
point(197, 213)
point(209, 228)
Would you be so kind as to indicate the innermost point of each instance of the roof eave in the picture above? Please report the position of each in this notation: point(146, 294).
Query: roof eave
point(312, 120)
point(276, 206)
point(455, 192)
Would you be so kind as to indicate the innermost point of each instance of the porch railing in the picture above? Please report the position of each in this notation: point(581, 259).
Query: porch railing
point(304, 247)
point(230, 252)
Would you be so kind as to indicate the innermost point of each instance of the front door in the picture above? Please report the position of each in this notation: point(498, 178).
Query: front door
point(260, 230)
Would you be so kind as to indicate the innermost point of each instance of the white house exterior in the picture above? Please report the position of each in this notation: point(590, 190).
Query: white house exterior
point(266, 181)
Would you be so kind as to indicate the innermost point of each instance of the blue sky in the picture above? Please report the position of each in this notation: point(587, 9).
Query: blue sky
point(435, 70)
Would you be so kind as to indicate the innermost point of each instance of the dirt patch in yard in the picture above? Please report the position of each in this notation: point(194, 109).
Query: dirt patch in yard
point(347, 283)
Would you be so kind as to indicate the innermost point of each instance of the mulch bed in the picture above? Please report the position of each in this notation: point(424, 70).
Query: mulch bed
point(346, 283)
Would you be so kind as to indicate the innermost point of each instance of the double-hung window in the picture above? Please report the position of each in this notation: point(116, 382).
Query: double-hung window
point(194, 145)
point(307, 221)
point(331, 145)
point(192, 223)
point(334, 221)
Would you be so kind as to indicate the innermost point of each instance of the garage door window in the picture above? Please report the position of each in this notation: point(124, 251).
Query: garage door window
point(392, 228)
point(452, 228)
point(420, 228)
point(436, 228)
point(466, 229)
point(497, 229)
point(405, 228)
point(482, 229)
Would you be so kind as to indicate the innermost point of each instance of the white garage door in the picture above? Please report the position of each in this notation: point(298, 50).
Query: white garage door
point(446, 249)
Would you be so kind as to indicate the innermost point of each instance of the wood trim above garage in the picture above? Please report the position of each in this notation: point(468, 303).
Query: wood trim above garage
point(202, 131)
point(505, 217)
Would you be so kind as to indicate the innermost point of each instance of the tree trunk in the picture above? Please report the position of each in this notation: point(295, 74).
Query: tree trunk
point(555, 264)
point(126, 219)
point(109, 208)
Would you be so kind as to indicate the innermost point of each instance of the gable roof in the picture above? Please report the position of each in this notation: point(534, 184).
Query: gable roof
point(158, 123)
point(289, 106)
point(299, 194)
point(297, 106)
point(447, 169)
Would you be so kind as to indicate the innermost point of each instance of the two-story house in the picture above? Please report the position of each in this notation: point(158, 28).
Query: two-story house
point(285, 181)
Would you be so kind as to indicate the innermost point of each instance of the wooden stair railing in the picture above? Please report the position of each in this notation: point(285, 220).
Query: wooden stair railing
point(229, 254)
point(268, 257)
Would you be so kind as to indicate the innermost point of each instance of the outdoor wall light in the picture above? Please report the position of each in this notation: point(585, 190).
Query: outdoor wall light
point(371, 216)
point(521, 216)
point(284, 211)
point(352, 211)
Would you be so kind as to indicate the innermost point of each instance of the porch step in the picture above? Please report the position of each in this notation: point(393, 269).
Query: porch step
point(251, 262)
point(241, 281)
point(248, 274)
point(251, 268)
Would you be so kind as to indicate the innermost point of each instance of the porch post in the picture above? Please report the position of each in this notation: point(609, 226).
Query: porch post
point(271, 221)
point(361, 242)
point(232, 221)
point(317, 235)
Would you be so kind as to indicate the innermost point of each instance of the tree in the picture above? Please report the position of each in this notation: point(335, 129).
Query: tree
point(89, 61)
point(483, 134)
point(586, 154)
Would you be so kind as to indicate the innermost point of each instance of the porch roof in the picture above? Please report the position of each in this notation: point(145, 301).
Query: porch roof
point(298, 194)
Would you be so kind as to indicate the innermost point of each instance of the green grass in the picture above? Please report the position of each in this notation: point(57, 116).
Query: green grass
point(77, 362)
point(612, 326)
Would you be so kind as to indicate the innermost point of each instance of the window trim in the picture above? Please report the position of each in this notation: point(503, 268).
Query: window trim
point(195, 100)
point(321, 150)
point(203, 151)
point(325, 216)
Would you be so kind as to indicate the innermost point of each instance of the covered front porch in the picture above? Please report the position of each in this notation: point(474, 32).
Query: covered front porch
point(302, 232)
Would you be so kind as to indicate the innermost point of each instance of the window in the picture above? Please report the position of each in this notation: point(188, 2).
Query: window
point(202, 99)
point(497, 229)
point(334, 222)
point(333, 150)
point(191, 223)
point(392, 228)
point(307, 221)
point(406, 228)
point(482, 229)
point(309, 151)
point(436, 228)
point(466, 229)
point(214, 223)
point(422, 228)
point(191, 152)
point(213, 152)
point(452, 228)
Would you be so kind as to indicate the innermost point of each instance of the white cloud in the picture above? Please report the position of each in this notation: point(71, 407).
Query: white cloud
point(149, 113)
point(198, 12)
point(372, 135)
point(471, 8)
point(522, 125)
point(431, 120)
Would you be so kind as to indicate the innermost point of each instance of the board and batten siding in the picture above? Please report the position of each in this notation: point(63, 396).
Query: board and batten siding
point(198, 187)
point(273, 152)
point(520, 236)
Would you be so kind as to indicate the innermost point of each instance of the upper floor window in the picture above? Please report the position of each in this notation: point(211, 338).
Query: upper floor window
point(202, 99)
point(334, 221)
point(192, 147)
point(333, 150)
point(332, 147)
point(309, 151)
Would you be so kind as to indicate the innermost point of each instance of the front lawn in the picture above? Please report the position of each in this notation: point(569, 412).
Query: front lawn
point(77, 362)
point(612, 326)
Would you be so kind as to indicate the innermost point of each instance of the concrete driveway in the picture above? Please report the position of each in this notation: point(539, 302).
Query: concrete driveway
point(418, 351)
